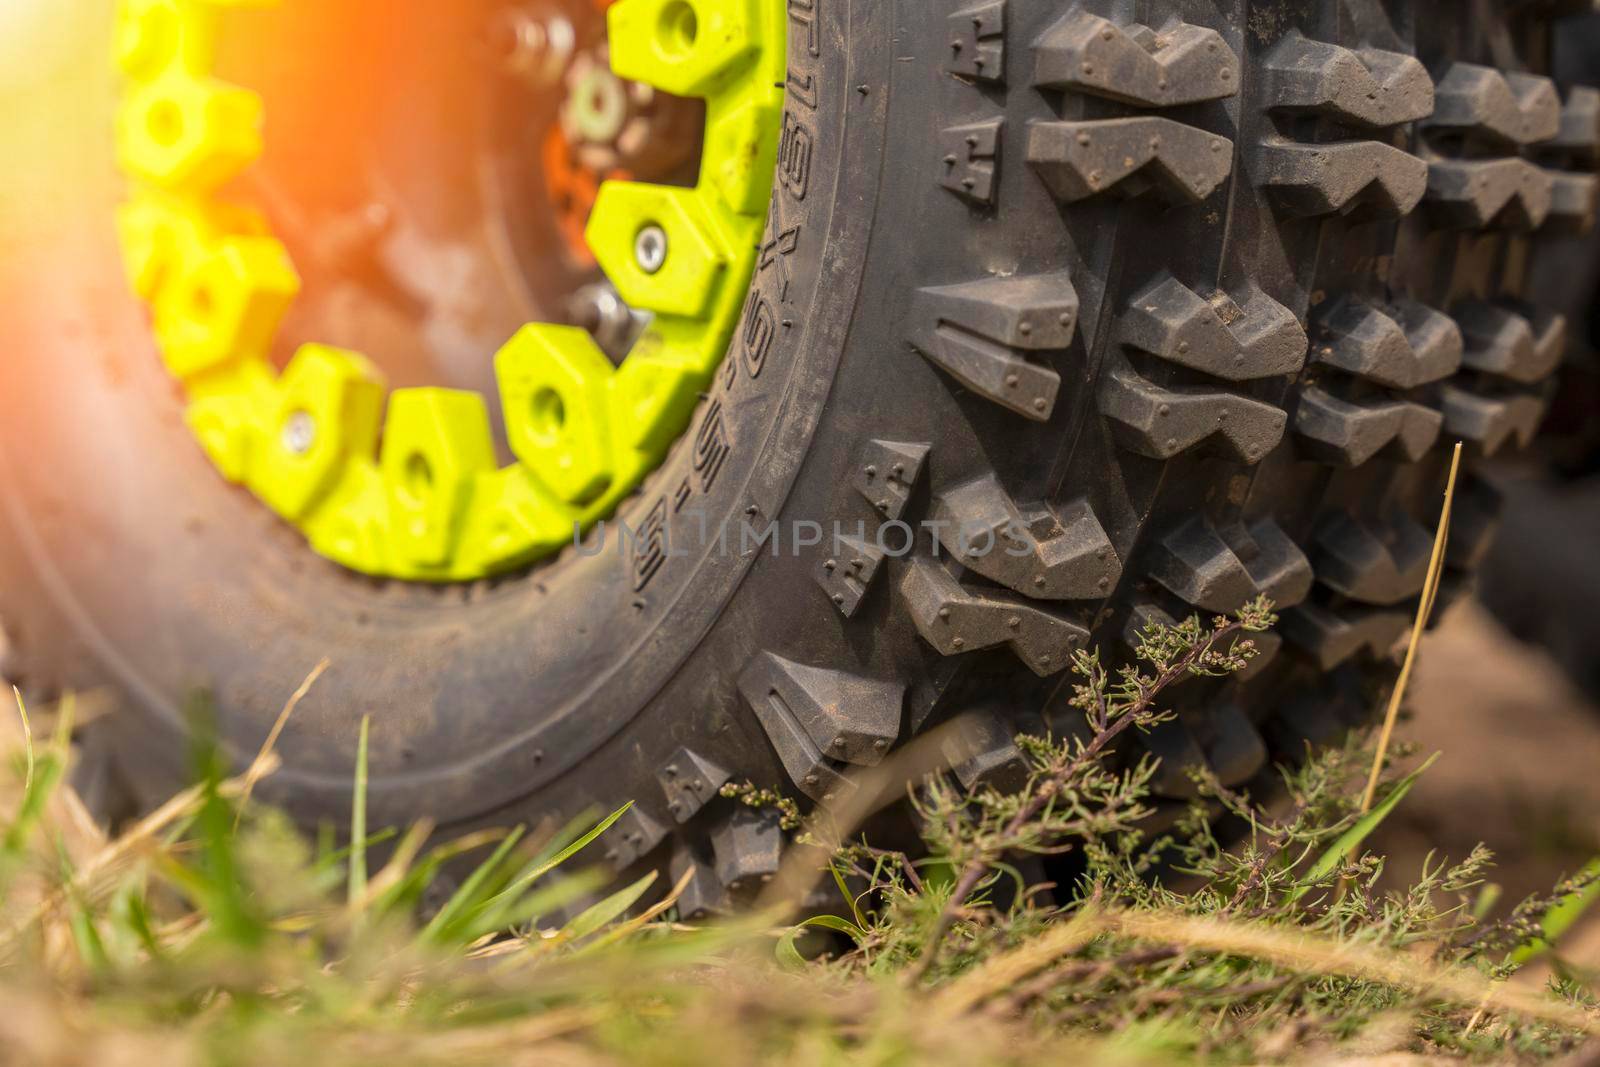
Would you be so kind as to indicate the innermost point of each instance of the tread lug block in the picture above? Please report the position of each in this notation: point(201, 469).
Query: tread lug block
point(955, 619)
point(887, 472)
point(812, 772)
point(1402, 346)
point(1347, 434)
point(1367, 87)
point(1160, 423)
point(1129, 156)
point(1332, 637)
point(848, 717)
point(848, 572)
point(1574, 200)
point(1477, 194)
point(1320, 718)
point(1142, 617)
point(1235, 749)
point(689, 780)
point(977, 332)
point(1034, 312)
point(1491, 422)
point(1221, 570)
point(1511, 108)
point(1382, 565)
point(1177, 64)
point(705, 895)
point(971, 156)
point(1574, 197)
point(748, 847)
point(1276, 565)
point(633, 835)
point(1508, 345)
point(1258, 338)
point(1172, 743)
point(1579, 137)
point(1042, 553)
point(1325, 179)
point(983, 754)
point(978, 42)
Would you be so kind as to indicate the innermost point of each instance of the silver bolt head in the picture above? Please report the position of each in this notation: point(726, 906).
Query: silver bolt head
point(650, 248)
point(299, 433)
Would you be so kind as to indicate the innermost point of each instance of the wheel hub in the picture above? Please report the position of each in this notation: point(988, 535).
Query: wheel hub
point(405, 484)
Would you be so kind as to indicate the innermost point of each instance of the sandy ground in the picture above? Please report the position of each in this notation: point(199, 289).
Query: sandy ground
point(1519, 768)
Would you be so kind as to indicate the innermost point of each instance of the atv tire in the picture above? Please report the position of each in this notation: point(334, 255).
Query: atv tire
point(1189, 297)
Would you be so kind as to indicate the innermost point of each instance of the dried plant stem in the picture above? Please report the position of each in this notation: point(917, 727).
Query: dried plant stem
point(1167, 934)
point(254, 772)
point(27, 738)
point(1430, 592)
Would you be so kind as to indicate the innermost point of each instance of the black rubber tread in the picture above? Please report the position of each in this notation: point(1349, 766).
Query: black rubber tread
point(1187, 305)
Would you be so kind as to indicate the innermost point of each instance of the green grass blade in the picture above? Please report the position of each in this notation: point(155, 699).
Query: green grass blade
point(1562, 917)
point(1487, 898)
point(131, 913)
point(335, 856)
point(80, 918)
point(543, 865)
point(529, 907)
point(358, 821)
point(27, 739)
point(219, 879)
point(30, 810)
point(788, 955)
point(86, 939)
point(407, 892)
point(598, 916)
point(849, 897)
point(471, 892)
point(581, 843)
point(41, 776)
point(1352, 838)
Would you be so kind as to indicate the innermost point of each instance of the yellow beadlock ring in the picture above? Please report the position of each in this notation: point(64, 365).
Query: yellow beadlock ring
point(410, 489)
